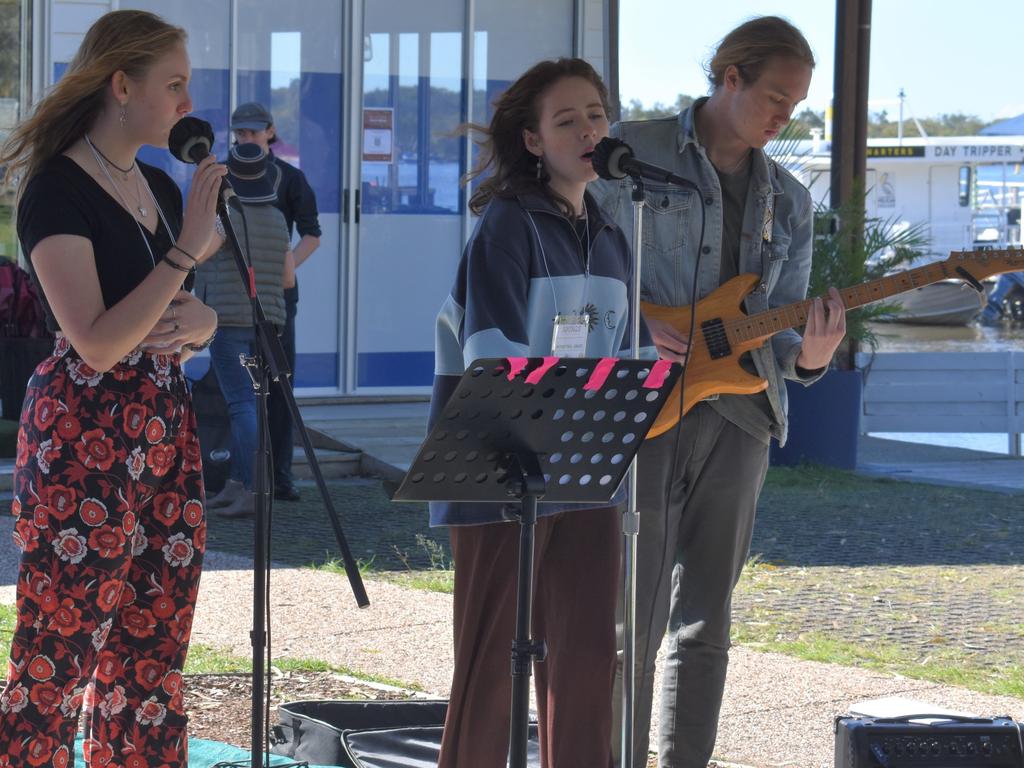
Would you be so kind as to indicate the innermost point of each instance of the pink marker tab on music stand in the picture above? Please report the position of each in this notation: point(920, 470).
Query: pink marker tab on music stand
point(515, 365)
point(538, 373)
point(659, 371)
point(601, 372)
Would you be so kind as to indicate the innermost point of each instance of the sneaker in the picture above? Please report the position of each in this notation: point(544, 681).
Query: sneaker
point(243, 506)
point(232, 490)
point(286, 493)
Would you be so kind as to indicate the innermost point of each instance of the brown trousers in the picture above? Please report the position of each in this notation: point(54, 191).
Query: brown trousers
point(576, 570)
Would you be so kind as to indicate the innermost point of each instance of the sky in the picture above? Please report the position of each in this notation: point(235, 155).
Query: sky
point(948, 56)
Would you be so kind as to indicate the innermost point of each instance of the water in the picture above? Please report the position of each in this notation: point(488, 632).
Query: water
point(904, 337)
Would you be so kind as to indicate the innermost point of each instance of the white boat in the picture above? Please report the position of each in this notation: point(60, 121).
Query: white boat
point(948, 302)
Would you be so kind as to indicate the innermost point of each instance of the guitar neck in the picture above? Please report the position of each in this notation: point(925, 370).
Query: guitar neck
point(795, 315)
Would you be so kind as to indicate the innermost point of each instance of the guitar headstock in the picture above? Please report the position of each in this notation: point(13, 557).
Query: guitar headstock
point(984, 262)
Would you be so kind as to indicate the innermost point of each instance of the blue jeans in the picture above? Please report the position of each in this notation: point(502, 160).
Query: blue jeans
point(279, 418)
point(237, 389)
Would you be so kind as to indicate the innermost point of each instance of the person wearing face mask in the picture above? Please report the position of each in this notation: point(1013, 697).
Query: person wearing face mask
point(108, 489)
point(252, 123)
point(700, 480)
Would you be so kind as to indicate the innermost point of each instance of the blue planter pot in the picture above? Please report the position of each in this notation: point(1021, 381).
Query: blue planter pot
point(824, 422)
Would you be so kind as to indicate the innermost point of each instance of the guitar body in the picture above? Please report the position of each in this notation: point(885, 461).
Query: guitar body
point(706, 375)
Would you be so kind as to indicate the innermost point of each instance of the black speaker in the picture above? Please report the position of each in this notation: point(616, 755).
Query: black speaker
point(928, 741)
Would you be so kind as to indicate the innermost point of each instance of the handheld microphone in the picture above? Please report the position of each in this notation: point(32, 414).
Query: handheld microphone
point(190, 141)
point(614, 159)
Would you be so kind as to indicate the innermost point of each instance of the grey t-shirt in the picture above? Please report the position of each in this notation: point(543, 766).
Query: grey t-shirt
point(751, 413)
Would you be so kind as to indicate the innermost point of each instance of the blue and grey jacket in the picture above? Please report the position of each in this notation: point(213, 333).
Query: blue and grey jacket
point(671, 233)
point(523, 265)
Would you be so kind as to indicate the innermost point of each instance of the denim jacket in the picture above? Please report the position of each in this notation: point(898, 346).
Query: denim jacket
point(672, 229)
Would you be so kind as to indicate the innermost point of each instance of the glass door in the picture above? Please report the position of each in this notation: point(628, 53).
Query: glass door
point(15, 48)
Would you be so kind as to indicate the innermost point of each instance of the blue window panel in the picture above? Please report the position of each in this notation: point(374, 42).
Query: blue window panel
point(428, 181)
point(396, 369)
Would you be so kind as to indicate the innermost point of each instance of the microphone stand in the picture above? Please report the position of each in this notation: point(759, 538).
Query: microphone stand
point(268, 363)
point(631, 516)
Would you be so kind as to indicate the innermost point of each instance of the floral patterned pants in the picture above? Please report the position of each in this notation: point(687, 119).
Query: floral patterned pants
point(109, 506)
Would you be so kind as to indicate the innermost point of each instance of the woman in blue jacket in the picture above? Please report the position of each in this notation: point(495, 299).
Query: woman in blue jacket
point(542, 253)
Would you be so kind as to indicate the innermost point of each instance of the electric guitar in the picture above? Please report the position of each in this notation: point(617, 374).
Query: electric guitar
point(723, 331)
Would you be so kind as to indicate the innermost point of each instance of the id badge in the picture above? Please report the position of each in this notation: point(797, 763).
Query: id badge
point(569, 335)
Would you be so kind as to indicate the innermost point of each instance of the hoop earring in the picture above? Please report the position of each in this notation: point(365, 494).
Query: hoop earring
point(123, 117)
point(540, 168)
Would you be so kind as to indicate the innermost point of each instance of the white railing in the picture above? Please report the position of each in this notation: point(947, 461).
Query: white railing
point(944, 392)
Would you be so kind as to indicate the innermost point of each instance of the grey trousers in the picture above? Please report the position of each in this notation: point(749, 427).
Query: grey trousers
point(691, 551)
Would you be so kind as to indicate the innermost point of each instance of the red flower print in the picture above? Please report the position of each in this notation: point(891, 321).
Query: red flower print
point(155, 430)
point(46, 697)
point(26, 535)
point(151, 712)
point(70, 547)
point(172, 682)
point(135, 761)
point(60, 757)
point(48, 601)
point(68, 427)
point(14, 699)
point(134, 419)
point(95, 450)
point(16, 507)
point(114, 702)
point(128, 523)
point(45, 413)
point(99, 635)
point(73, 698)
point(167, 508)
point(67, 619)
point(41, 516)
point(40, 749)
point(163, 607)
point(138, 622)
point(192, 455)
point(41, 669)
point(81, 373)
point(49, 451)
point(109, 668)
point(24, 451)
point(149, 673)
point(192, 513)
point(93, 511)
point(96, 753)
point(127, 596)
point(136, 462)
point(199, 538)
point(107, 541)
point(160, 459)
point(181, 627)
point(178, 551)
point(38, 583)
point(110, 592)
point(63, 501)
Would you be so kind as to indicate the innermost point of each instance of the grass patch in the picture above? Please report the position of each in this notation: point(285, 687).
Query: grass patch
point(438, 577)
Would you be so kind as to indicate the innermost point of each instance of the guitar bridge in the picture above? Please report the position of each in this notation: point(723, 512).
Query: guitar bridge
point(716, 338)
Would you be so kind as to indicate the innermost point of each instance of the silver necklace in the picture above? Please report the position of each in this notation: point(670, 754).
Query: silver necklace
point(159, 210)
point(100, 157)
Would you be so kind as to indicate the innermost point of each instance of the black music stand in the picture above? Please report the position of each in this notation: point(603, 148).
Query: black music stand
point(522, 429)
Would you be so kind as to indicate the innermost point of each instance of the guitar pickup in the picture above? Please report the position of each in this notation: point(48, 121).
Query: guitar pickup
point(716, 339)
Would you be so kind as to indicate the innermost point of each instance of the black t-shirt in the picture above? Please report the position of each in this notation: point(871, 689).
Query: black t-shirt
point(296, 200)
point(63, 199)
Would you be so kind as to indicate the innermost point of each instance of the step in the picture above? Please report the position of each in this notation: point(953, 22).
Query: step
point(333, 464)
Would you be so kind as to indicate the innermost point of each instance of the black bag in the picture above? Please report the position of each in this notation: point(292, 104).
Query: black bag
point(368, 734)
point(24, 340)
point(214, 431)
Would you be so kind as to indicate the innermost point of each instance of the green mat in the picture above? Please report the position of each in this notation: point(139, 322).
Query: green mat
point(203, 753)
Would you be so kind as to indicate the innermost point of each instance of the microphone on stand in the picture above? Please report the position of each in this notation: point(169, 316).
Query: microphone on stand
point(190, 141)
point(614, 159)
